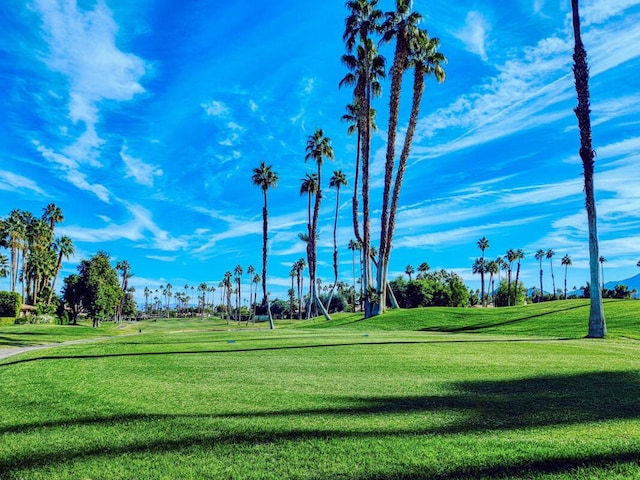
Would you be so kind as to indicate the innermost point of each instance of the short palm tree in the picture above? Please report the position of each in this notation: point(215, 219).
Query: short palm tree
point(409, 271)
point(602, 261)
point(265, 178)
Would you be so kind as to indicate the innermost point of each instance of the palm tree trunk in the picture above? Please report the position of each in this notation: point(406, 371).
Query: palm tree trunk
point(335, 250)
point(265, 232)
point(597, 324)
point(354, 201)
point(418, 89)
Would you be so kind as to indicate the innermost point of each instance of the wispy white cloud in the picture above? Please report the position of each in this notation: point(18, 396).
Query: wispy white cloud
point(599, 11)
point(17, 183)
point(134, 230)
point(142, 173)
point(162, 259)
point(474, 34)
point(82, 48)
point(215, 108)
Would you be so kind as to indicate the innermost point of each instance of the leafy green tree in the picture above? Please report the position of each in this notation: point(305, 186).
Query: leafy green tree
point(597, 323)
point(100, 289)
point(265, 178)
point(518, 294)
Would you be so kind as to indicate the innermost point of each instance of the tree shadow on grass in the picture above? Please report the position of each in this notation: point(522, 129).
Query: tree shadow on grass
point(232, 350)
point(474, 407)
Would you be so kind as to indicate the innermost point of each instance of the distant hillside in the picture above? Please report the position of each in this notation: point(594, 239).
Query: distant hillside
point(631, 283)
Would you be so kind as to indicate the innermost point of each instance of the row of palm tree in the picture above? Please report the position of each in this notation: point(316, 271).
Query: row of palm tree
point(35, 253)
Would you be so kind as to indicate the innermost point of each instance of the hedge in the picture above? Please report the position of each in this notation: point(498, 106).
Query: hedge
point(10, 304)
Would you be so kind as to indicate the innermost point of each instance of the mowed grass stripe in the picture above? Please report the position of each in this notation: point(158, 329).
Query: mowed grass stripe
point(327, 403)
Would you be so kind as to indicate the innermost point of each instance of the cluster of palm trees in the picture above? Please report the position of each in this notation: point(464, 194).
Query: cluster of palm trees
point(161, 299)
point(35, 253)
point(482, 266)
point(414, 49)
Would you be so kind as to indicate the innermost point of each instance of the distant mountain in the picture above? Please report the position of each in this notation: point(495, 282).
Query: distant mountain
point(631, 283)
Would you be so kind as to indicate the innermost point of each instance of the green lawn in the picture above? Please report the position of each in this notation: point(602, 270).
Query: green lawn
point(430, 393)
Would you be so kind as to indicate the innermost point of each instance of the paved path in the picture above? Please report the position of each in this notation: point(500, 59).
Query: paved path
point(9, 352)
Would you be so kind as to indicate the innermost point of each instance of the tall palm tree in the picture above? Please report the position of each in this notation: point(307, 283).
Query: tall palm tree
point(238, 272)
point(511, 256)
point(409, 271)
point(479, 267)
point(65, 248)
point(309, 186)
point(251, 270)
point(540, 254)
point(299, 266)
point(597, 323)
point(318, 148)
point(14, 235)
point(550, 253)
point(566, 263)
point(147, 294)
point(226, 283)
point(124, 268)
point(353, 246)
point(414, 49)
point(602, 261)
point(352, 118)
point(519, 257)
point(362, 22)
point(401, 25)
point(492, 268)
point(265, 178)
point(483, 244)
point(202, 288)
point(337, 180)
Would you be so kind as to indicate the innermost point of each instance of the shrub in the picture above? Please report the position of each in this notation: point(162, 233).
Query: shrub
point(10, 304)
point(7, 320)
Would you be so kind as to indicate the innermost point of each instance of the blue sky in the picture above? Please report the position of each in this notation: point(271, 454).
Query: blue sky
point(142, 121)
